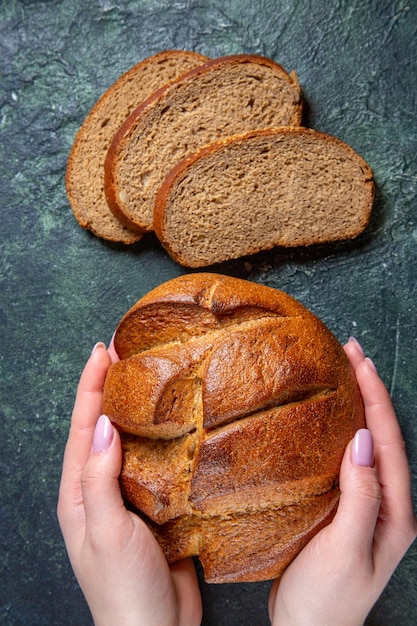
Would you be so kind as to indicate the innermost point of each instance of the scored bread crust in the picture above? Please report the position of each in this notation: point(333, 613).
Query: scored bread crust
point(84, 175)
point(221, 97)
point(257, 190)
point(235, 405)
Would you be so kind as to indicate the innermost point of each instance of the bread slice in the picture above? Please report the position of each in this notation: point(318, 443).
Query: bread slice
point(222, 97)
point(235, 405)
point(277, 187)
point(84, 176)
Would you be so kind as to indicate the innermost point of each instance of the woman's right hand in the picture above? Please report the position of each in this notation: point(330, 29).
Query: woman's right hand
point(339, 575)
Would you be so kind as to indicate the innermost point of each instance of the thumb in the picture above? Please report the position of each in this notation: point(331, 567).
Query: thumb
point(103, 502)
point(360, 497)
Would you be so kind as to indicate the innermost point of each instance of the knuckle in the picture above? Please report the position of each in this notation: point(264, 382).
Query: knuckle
point(369, 489)
point(90, 480)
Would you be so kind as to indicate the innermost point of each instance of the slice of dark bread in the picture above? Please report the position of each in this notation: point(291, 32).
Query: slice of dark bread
point(220, 98)
point(84, 177)
point(267, 188)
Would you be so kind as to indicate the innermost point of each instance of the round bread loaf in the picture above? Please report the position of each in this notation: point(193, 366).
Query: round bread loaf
point(235, 405)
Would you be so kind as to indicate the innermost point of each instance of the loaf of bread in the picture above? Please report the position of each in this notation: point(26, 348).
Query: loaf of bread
point(235, 404)
point(266, 188)
point(85, 170)
point(222, 97)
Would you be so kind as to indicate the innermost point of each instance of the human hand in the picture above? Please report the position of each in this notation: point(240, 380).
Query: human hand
point(117, 561)
point(339, 575)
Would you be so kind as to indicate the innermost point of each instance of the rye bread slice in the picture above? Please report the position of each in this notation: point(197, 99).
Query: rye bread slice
point(222, 97)
point(84, 176)
point(277, 187)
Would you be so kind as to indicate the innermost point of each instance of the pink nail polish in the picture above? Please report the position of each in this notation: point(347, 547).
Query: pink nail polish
point(103, 434)
point(112, 350)
point(100, 344)
point(371, 363)
point(356, 342)
point(363, 448)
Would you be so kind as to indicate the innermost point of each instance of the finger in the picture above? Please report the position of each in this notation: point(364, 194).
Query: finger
point(119, 536)
point(87, 408)
point(393, 471)
point(360, 497)
point(390, 455)
point(112, 351)
point(379, 412)
point(272, 598)
point(354, 351)
point(398, 526)
point(187, 591)
point(103, 502)
point(90, 388)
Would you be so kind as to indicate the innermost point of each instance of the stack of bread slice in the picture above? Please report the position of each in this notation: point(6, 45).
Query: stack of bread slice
point(211, 155)
point(85, 169)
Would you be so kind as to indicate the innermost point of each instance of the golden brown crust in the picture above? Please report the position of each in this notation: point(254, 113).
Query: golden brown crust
point(239, 403)
point(271, 539)
point(192, 305)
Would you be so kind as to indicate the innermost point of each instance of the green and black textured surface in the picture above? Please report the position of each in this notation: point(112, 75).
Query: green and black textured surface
point(62, 289)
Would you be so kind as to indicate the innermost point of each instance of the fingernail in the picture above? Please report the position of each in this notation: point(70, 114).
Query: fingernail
point(371, 363)
point(356, 342)
point(99, 345)
point(112, 350)
point(363, 448)
point(103, 434)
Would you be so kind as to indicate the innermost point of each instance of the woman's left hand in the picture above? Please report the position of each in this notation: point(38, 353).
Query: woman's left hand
point(118, 563)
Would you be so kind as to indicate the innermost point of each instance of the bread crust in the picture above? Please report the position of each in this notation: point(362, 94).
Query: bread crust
point(185, 256)
point(112, 188)
point(235, 405)
point(86, 198)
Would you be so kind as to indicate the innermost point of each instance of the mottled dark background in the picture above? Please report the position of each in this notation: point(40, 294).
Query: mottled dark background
point(62, 289)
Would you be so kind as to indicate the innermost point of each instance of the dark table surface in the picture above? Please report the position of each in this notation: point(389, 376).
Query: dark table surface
point(62, 289)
